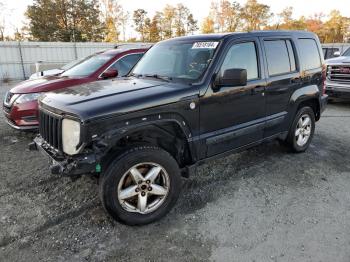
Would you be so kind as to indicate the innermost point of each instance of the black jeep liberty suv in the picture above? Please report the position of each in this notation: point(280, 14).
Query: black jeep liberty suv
point(188, 100)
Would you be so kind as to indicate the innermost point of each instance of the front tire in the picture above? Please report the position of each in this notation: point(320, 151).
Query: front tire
point(141, 185)
point(302, 130)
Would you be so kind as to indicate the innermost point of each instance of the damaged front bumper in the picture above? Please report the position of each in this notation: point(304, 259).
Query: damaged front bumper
point(60, 163)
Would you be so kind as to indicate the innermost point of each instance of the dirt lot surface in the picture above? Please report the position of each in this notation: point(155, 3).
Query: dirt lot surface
point(264, 204)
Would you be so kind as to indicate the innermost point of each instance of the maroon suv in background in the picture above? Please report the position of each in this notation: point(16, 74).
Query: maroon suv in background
point(20, 104)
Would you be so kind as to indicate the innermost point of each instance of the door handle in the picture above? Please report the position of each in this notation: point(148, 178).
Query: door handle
point(258, 89)
point(295, 80)
point(307, 78)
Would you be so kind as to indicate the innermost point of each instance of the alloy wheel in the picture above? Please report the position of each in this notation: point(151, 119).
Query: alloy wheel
point(303, 130)
point(143, 188)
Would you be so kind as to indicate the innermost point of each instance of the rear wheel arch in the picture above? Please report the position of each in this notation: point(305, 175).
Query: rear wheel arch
point(314, 104)
point(306, 96)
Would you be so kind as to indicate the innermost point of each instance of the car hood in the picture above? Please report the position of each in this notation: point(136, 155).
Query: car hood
point(45, 84)
point(110, 97)
point(338, 60)
point(49, 72)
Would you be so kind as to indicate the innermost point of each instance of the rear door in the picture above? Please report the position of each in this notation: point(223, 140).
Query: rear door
point(311, 62)
point(283, 78)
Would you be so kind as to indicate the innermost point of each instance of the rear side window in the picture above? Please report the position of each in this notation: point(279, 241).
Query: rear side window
point(324, 50)
point(280, 57)
point(347, 52)
point(309, 54)
point(242, 55)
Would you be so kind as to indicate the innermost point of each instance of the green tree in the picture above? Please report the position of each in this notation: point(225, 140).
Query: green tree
point(2, 20)
point(191, 25)
point(207, 25)
point(64, 20)
point(123, 22)
point(255, 15)
point(336, 27)
point(285, 19)
point(171, 21)
point(231, 15)
point(169, 13)
point(111, 30)
point(114, 17)
point(155, 29)
point(181, 14)
point(147, 30)
point(226, 16)
point(139, 18)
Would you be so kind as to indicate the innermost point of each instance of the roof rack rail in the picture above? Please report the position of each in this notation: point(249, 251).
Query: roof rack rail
point(134, 45)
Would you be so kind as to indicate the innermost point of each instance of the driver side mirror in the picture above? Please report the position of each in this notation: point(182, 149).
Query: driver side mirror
point(231, 77)
point(109, 73)
point(336, 54)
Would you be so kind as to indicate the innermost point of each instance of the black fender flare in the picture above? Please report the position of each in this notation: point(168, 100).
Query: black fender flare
point(304, 93)
point(310, 92)
point(127, 126)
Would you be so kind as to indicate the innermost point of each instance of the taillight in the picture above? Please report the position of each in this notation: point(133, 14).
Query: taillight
point(324, 75)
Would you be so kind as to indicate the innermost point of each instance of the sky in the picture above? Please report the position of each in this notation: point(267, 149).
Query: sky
point(199, 8)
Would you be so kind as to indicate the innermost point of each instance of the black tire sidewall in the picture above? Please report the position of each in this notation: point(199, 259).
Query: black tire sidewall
point(291, 136)
point(117, 168)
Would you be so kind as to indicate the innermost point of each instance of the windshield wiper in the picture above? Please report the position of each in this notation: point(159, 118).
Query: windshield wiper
point(165, 78)
point(135, 75)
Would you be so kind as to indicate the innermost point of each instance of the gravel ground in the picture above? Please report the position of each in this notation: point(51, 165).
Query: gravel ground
point(264, 204)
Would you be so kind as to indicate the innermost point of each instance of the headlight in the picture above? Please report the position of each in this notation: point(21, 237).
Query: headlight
point(27, 97)
point(10, 98)
point(70, 136)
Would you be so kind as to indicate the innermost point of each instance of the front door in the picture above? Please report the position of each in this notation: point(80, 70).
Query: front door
point(234, 116)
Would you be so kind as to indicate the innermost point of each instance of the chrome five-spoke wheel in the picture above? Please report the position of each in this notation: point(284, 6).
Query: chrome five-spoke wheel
point(303, 130)
point(143, 188)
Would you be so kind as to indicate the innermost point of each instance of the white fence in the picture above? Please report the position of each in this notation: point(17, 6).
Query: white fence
point(17, 59)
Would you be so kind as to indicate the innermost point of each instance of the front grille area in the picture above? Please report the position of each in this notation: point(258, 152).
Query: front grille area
point(50, 128)
point(7, 109)
point(339, 73)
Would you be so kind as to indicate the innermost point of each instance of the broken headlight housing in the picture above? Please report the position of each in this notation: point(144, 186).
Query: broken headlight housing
point(70, 136)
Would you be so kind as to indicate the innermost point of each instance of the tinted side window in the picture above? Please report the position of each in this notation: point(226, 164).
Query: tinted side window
point(331, 51)
point(291, 56)
point(280, 57)
point(347, 52)
point(309, 54)
point(324, 50)
point(125, 64)
point(242, 56)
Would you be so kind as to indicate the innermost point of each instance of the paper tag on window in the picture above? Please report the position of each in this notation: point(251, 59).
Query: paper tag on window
point(207, 45)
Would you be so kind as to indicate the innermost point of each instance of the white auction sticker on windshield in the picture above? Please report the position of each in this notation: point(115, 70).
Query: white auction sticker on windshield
point(208, 45)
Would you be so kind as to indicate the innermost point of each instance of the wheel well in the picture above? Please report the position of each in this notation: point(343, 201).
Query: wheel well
point(314, 104)
point(168, 136)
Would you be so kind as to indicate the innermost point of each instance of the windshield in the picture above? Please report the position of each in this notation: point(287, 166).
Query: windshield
point(347, 52)
point(88, 66)
point(71, 64)
point(186, 61)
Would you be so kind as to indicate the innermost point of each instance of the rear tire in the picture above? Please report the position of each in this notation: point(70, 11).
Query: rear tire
point(302, 130)
point(141, 185)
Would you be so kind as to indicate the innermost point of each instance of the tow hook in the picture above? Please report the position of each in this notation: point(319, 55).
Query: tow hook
point(32, 146)
point(56, 169)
